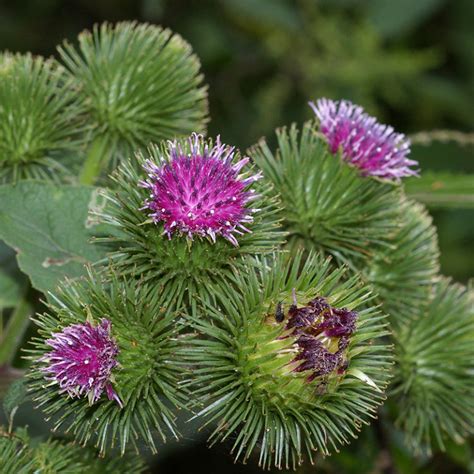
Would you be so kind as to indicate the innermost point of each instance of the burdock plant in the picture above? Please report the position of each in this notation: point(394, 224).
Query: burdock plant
point(349, 203)
point(20, 454)
point(189, 216)
point(40, 119)
point(433, 382)
point(326, 204)
point(270, 296)
point(105, 365)
point(290, 365)
point(140, 83)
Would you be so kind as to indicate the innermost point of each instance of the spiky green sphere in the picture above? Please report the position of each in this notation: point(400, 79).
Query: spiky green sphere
point(40, 129)
point(162, 245)
point(435, 366)
point(284, 392)
point(404, 274)
point(116, 385)
point(18, 454)
point(140, 83)
point(326, 204)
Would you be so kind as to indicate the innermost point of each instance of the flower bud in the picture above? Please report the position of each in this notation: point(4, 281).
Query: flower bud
point(290, 387)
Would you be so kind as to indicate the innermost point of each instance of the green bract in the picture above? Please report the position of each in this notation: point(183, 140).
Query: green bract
point(435, 365)
point(140, 83)
point(241, 378)
point(40, 131)
point(184, 269)
point(326, 204)
point(145, 379)
point(404, 274)
point(19, 455)
point(14, 455)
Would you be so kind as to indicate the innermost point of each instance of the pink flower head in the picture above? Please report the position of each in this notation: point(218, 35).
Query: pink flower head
point(372, 147)
point(82, 359)
point(201, 192)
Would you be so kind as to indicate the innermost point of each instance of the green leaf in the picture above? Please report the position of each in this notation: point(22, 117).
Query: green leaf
point(442, 190)
point(50, 229)
point(12, 281)
point(14, 331)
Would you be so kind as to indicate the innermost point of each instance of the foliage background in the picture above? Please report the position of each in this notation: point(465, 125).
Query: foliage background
point(410, 63)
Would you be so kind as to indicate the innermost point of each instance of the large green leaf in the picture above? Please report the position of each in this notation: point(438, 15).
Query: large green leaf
point(50, 228)
point(12, 281)
point(443, 190)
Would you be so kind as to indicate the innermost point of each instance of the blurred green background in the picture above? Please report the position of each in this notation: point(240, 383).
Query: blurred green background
point(410, 62)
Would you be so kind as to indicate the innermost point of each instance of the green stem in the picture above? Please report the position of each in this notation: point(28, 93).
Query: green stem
point(97, 159)
point(13, 334)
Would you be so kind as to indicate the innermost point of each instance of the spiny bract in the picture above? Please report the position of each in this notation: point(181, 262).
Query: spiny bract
point(140, 83)
point(288, 385)
point(326, 204)
point(40, 119)
point(21, 455)
point(189, 217)
point(140, 335)
point(433, 382)
point(404, 274)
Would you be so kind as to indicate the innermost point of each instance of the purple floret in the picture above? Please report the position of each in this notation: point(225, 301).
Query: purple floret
point(337, 323)
point(374, 148)
point(82, 359)
point(316, 325)
point(200, 193)
point(315, 357)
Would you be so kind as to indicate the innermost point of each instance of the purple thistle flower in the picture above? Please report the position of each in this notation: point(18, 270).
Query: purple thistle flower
point(82, 360)
point(317, 325)
point(372, 147)
point(200, 193)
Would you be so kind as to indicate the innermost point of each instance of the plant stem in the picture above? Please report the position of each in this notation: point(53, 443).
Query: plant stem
point(96, 160)
point(14, 331)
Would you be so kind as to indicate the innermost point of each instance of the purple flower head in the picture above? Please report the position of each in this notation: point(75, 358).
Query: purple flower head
point(319, 328)
point(201, 192)
point(82, 359)
point(372, 147)
point(315, 357)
